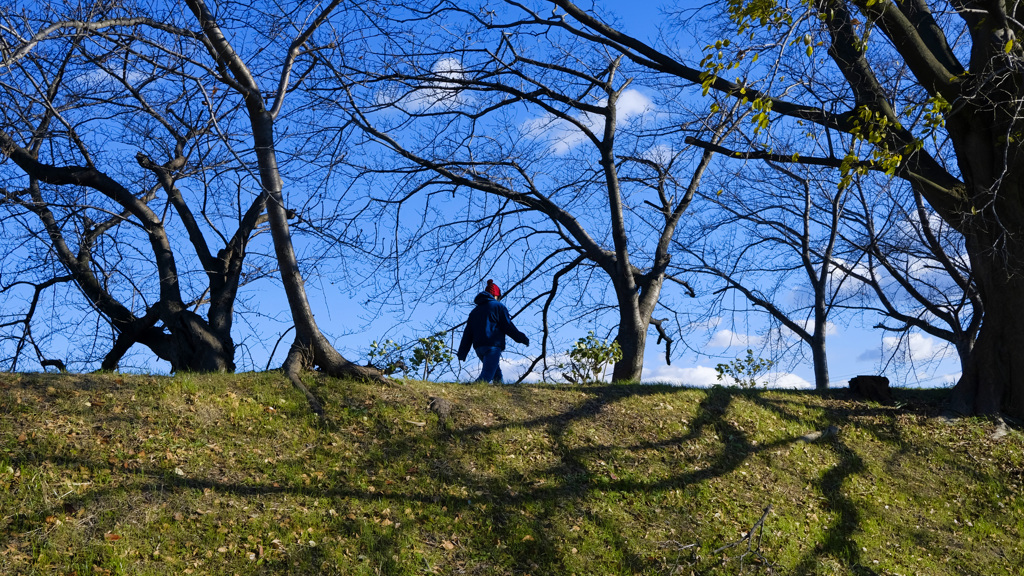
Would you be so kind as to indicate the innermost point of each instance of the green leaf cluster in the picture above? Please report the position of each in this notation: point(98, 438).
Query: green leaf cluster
point(430, 352)
point(387, 357)
point(745, 372)
point(589, 358)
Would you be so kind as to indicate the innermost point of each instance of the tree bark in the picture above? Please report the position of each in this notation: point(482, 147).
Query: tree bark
point(632, 339)
point(819, 358)
point(191, 345)
point(636, 305)
point(993, 370)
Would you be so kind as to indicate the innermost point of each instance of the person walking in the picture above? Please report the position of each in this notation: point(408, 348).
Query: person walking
point(489, 322)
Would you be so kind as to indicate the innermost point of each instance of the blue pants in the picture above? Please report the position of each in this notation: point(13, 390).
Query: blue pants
point(491, 358)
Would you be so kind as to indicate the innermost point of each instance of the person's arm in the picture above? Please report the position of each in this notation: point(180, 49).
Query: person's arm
point(507, 327)
point(466, 343)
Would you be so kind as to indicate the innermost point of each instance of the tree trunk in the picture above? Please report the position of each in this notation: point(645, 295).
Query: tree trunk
point(310, 348)
point(191, 344)
point(818, 355)
point(632, 339)
point(636, 304)
point(993, 370)
point(820, 359)
point(195, 347)
point(992, 222)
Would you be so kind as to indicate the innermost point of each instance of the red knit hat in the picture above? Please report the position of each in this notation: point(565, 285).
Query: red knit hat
point(493, 289)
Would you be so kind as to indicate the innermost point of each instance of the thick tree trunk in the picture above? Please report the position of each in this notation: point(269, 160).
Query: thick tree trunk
point(820, 359)
point(636, 304)
point(993, 370)
point(632, 338)
point(194, 346)
point(992, 222)
point(190, 344)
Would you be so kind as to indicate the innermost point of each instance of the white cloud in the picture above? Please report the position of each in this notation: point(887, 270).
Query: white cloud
point(916, 348)
point(706, 377)
point(442, 91)
point(919, 348)
point(633, 103)
point(660, 153)
point(698, 376)
point(869, 355)
point(514, 367)
point(921, 267)
point(788, 380)
point(725, 338)
point(564, 136)
point(836, 273)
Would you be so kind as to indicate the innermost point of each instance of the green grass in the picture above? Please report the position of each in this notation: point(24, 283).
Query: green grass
point(116, 474)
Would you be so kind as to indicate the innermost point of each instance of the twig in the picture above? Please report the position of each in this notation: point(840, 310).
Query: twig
point(754, 549)
point(679, 549)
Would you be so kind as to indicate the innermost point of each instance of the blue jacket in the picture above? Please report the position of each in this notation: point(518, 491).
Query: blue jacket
point(487, 326)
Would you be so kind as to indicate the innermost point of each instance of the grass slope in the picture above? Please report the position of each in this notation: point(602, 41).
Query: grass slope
point(111, 474)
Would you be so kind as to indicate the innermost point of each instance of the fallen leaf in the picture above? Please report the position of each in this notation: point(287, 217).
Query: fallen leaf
point(447, 545)
point(415, 423)
point(527, 538)
point(112, 537)
point(22, 437)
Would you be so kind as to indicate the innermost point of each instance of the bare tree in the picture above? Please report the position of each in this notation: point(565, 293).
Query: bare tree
point(162, 48)
point(915, 266)
point(310, 347)
point(772, 236)
point(81, 105)
point(571, 167)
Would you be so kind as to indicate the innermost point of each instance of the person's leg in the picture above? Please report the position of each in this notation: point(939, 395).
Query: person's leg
point(490, 358)
point(497, 370)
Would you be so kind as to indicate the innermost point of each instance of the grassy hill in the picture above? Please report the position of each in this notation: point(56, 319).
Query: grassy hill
point(112, 474)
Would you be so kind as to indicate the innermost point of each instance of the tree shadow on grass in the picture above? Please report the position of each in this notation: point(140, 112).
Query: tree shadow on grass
point(476, 515)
